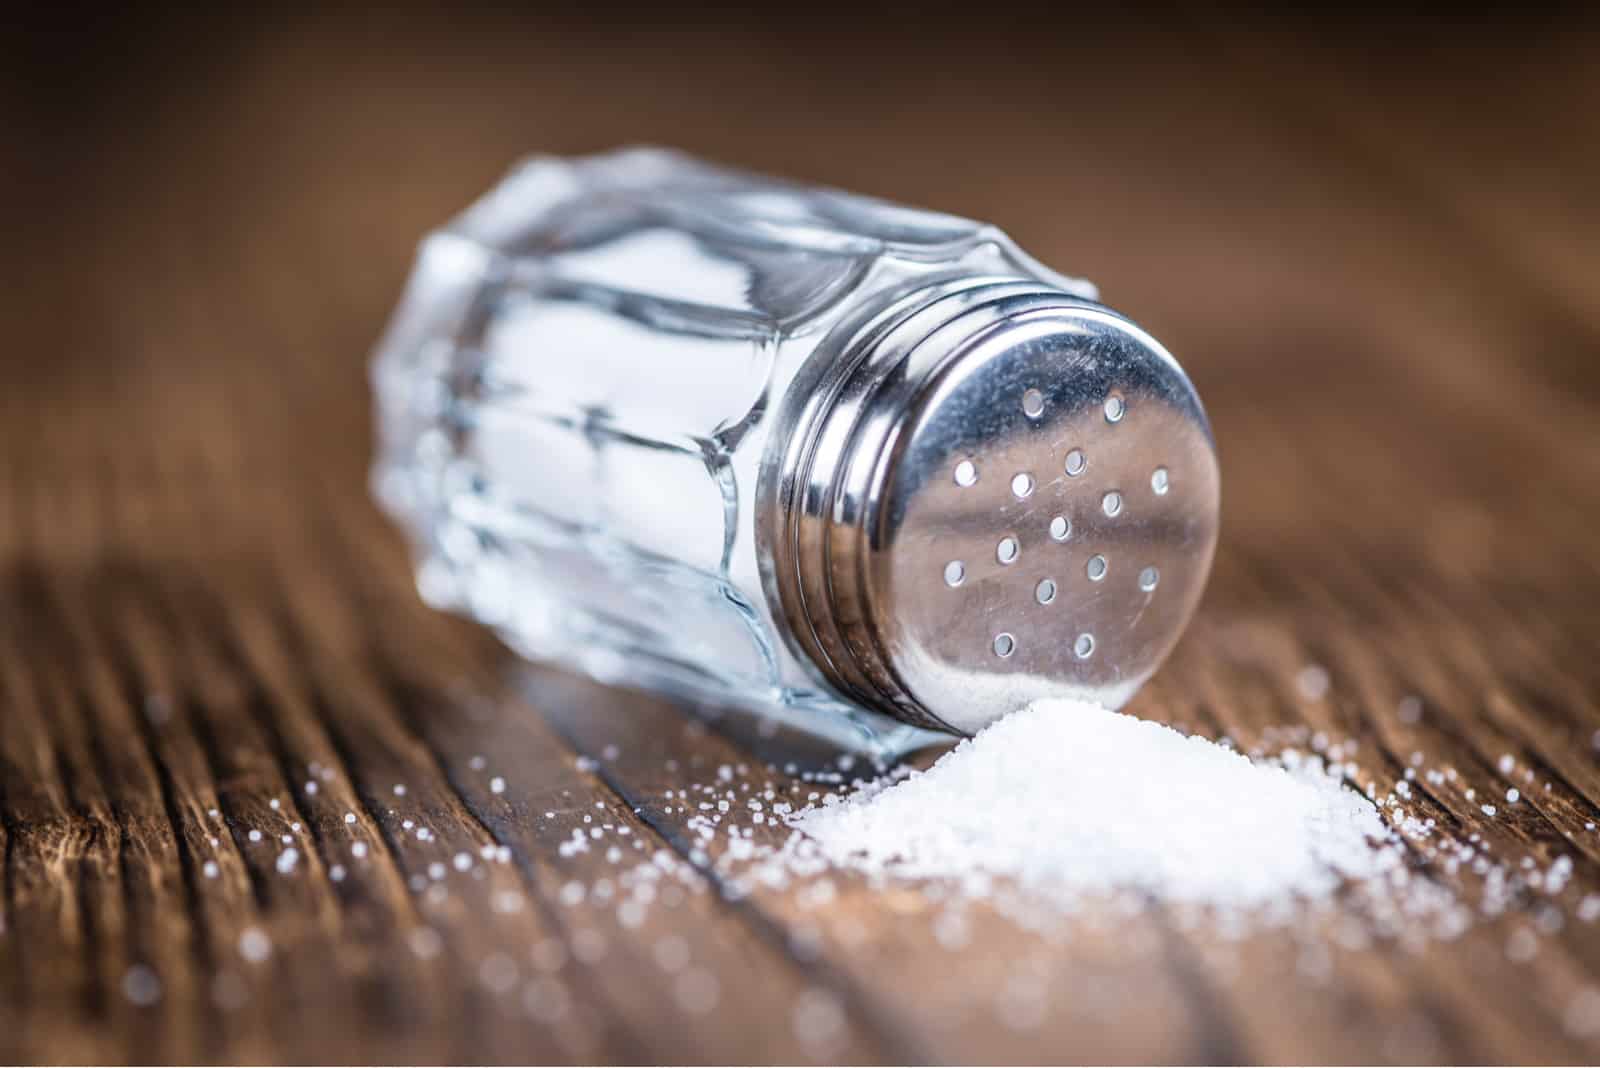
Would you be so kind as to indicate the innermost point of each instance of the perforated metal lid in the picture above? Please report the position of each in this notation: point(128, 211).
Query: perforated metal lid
point(986, 492)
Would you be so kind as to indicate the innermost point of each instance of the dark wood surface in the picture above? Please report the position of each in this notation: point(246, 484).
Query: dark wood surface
point(1377, 252)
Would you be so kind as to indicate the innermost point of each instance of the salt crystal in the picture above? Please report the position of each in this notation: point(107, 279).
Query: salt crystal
point(817, 1019)
point(1522, 946)
point(210, 869)
point(1507, 764)
point(697, 991)
point(498, 973)
point(425, 943)
point(254, 945)
point(349, 817)
point(588, 946)
point(1582, 1017)
point(672, 953)
point(1312, 682)
point(497, 785)
point(141, 986)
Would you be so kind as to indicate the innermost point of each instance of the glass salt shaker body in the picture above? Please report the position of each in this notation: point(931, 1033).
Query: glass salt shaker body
point(606, 394)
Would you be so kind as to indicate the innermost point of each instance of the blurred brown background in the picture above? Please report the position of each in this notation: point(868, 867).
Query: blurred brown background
point(1373, 242)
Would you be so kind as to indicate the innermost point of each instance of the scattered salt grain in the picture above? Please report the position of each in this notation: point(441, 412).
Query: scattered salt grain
point(425, 943)
point(157, 709)
point(588, 946)
point(1512, 796)
point(1582, 1017)
point(697, 991)
point(210, 869)
point(497, 785)
point(287, 860)
point(818, 1019)
point(1312, 682)
point(498, 973)
point(358, 850)
point(349, 817)
point(254, 945)
point(254, 835)
point(1522, 946)
point(141, 986)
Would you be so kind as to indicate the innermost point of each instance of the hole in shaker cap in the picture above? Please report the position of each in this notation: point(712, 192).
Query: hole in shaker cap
point(1045, 592)
point(1116, 408)
point(1111, 503)
point(1095, 568)
point(1004, 645)
point(1022, 485)
point(1083, 648)
point(1032, 403)
point(966, 473)
point(1008, 550)
point(955, 573)
point(1160, 481)
point(1060, 528)
point(1076, 463)
point(1148, 579)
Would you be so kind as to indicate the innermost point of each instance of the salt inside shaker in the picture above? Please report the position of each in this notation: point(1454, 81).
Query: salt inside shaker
point(868, 469)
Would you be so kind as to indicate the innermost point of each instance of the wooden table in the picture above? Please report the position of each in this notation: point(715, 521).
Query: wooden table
point(1376, 251)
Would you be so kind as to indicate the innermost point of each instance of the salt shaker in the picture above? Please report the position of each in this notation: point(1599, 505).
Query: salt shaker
point(866, 468)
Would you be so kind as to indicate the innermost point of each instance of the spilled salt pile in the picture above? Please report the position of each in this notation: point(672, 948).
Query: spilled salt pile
point(1067, 799)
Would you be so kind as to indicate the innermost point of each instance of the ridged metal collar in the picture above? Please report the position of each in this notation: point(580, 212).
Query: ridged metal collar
point(982, 492)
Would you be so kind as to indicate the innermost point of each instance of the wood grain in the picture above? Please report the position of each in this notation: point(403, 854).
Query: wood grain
point(1379, 267)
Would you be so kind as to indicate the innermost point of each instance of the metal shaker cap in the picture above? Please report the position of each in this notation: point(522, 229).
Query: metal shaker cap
point(984, 492)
